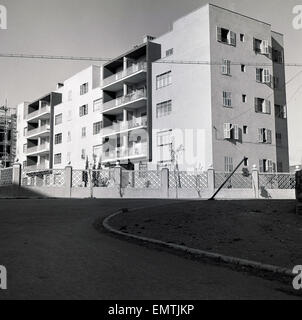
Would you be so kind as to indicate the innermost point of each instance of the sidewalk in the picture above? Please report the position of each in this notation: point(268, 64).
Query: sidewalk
point(264, 231)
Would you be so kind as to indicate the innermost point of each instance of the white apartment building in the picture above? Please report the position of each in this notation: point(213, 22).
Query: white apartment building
point(208, 93)
point(217, 113)
point(77, 121)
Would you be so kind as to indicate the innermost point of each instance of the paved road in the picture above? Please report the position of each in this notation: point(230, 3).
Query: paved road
point(51, 251)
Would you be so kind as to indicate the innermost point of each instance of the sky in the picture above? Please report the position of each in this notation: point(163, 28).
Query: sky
point(106, 28)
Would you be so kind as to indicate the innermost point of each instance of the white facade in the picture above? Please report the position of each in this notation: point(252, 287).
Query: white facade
point(77, 133)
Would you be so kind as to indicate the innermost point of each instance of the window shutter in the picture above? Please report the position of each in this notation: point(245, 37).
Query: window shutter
point(258, 75)
point(224, 67)
point(227, 131)
point(269, 166)
point(232, 38)
point(268, 108)
point(269, 136)
point(256, 105)
point(218, 34)
point(266, 77)
point(264, 47)
point(236, 131)
point(260, 135)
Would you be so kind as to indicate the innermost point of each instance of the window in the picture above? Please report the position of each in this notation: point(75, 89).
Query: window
point(231, 131)
point(169, 52)
point(84, 132)
point(261, 46)
point(58, 138)
point(58, 119)
point(244, 98)
point(278, 56)
point(97, 104)
point(266, 166)
point(279, 139)
point(163, 80)
point(25, 148)
point(84, 110)
point(69, 115)
point(164, 109)
point(245, 129)
point(263, 75)
point(226, 67)
point(164, 138)
point(243, 68)
point(97, 128)
point(262, 106)
point(280, 167)
point(276, 82)
point(242, 37)
point(84, 89)
point(227, 99)
point(228, 164)
point(58, 158)
point(246, 162)
point(83, 154)
point(25, 132)
point(280, 111)
point(265, 136)
point(226, 36)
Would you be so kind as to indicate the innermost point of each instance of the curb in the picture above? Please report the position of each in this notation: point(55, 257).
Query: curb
point(196, 252)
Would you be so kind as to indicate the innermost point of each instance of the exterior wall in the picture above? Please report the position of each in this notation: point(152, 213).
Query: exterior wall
point(280, 99)
point(239, 83)
point(72, 123)
point(21, 126)
point(190, 93)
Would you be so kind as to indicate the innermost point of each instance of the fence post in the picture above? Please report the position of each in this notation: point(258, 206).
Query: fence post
point(255, 181)
point(164, 181)
point(299, 192)
point(118, 179)
point(211, 179)
point(68, 181)
point(17, 174)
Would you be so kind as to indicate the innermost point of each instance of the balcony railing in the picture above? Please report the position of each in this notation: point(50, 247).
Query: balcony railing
point(122, 153)
point(137, 95)
point(141, 66)
point(44, 108)
point(37, 167)
point(124, 126)
point(41, 147)
point(38, 130)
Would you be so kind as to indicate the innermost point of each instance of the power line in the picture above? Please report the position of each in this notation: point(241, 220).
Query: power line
point(161, 61)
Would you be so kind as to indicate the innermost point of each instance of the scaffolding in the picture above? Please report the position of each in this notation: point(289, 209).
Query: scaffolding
point(7, 136)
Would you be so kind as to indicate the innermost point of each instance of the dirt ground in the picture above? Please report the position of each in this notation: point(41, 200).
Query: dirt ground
point(265, 231)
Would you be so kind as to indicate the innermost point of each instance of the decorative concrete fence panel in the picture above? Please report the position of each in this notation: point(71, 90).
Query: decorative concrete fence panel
point(6, 177)
point(237, 181)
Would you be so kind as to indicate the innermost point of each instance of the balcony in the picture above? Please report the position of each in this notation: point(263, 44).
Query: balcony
point(42, 131)
point(134, 100)
point(38, 150)
point(124, 154)
point(42, 113)
point(37, 167)
point(119, 127)
point(134, 74)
